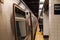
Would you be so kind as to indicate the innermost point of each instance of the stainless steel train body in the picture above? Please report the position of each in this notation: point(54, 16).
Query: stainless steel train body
point(24, 24)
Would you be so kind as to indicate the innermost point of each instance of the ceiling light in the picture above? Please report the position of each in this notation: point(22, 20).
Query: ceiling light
point(41, 5)
point(42, 0)
point(40, 10)
point(41, 17)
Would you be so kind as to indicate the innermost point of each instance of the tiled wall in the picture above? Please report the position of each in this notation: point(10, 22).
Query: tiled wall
point(54, 21)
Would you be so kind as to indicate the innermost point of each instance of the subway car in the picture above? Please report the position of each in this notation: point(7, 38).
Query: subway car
point(24, 24)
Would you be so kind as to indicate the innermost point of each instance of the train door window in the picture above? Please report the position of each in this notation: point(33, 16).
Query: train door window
point(20, 28)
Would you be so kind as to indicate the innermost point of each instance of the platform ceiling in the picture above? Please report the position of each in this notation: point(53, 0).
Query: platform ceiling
point(33, 5)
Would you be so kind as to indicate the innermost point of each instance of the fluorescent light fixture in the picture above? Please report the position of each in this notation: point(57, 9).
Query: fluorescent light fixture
point(40, 10)
point(42, 0)
point(39, 13)
point(41, 5)
point(41, 17)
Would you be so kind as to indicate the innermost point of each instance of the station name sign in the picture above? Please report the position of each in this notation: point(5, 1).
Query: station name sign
point(57, 9)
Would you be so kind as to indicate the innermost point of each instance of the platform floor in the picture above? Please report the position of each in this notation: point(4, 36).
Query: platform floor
point(39, 35)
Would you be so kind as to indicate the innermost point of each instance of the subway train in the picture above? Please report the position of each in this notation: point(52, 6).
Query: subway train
point(23, 24)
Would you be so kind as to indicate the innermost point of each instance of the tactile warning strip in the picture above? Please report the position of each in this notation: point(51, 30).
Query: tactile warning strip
point(39, 36)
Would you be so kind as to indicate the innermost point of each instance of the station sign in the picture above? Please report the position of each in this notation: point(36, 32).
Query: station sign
point(57, 9)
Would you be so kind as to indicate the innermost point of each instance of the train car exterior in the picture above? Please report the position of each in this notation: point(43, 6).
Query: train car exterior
point(25, 24)
point(15, 23)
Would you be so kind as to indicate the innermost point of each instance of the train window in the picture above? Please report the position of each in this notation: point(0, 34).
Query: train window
point(18, 30)
point(22, 27)
point(19, 13)
point(19, 22)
